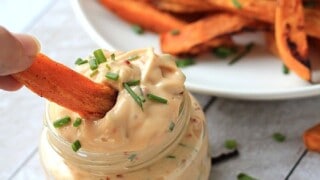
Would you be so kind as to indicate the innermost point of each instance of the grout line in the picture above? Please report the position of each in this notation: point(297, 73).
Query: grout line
point(296, 164)
point(209, 103)
point(39, 16)
point(29, 157)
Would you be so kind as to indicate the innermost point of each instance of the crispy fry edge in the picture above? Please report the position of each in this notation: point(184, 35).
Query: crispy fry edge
point(67, 88)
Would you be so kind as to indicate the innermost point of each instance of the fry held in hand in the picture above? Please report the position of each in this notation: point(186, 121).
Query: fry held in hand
point(67, 88)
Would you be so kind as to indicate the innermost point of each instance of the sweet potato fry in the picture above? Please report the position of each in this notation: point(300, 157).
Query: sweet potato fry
point(314, 54)
point(311, 138)
point(67, 88)
point(220, 41)
point(312, 22)
point(291, 38)
point(203, 31)
point(260, 9)
point(144, 14)
point(183, 6)
point(264, 10)
point(271, 42)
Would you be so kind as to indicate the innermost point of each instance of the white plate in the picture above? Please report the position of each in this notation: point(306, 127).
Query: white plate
point(257, 76)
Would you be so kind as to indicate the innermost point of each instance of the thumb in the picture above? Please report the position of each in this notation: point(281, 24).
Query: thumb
point(17, 52)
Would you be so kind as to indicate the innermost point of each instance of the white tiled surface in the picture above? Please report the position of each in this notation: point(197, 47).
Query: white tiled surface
point(250, 122)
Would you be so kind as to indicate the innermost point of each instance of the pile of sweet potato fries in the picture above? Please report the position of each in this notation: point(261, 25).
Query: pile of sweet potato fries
point(196, 26)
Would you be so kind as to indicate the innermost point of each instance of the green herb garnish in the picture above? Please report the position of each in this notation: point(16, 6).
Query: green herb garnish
point(76, 145)
point(230, 144)
point(224, 52)
point(188, 146)
point(237, 4)
point(184, 62)
point(77, 122)
point(133, 94)
point(171, 126)
point(112, 76)
point(133, 82)
point(132, 58)
point(113, 57)
point(61, 122)
point(243, 176)
point(93, 64)
point(80, 61)
point(157, 98)
point(99, 55)
point(285, 69)
point(108, 67)
point(246, 50)
point(132, 157)
point(175, 32)
point(279, 137)
point(93, 73)
point(171, 157)
point(137, 29)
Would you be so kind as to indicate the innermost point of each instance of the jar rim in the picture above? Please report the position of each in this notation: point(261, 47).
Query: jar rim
point(123, 159)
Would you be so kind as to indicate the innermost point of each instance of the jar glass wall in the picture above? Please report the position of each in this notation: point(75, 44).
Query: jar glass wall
point(184, 155)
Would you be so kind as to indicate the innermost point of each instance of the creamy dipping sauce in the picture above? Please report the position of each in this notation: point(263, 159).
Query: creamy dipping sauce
point(127, 126)
point(133, 127)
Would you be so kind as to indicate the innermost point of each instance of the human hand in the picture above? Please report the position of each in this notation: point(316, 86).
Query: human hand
point(17, 52)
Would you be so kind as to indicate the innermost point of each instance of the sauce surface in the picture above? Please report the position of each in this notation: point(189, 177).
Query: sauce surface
point(129, 126)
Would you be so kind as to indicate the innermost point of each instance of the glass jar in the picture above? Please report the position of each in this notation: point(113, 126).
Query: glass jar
point(184, 155)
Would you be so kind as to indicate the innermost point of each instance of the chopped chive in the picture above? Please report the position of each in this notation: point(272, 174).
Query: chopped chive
point(113, 57)
point(132, 157)
point(137, 29)
point(132, 58)
point(133, 82)
point(183, 145)
point(99, 55)
point(80, 61)
point(181, 108)
point(230, 144)
point(93, 64)
point(171, 157)
point(285, 69)
point(171, 126)
point(112, 76)
point(188, 146)
point(279, 137)
point(108, 67)
point(133, 94)
point(246, 50)
point(93, 73)
point(175, 32)
point(76, 145)
point(62, 122)
point(142, 99)
point(157, 98)
point(237, 4)
point(184, 62)
point(77, 122)
point(224, 52)
point(243, 176)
